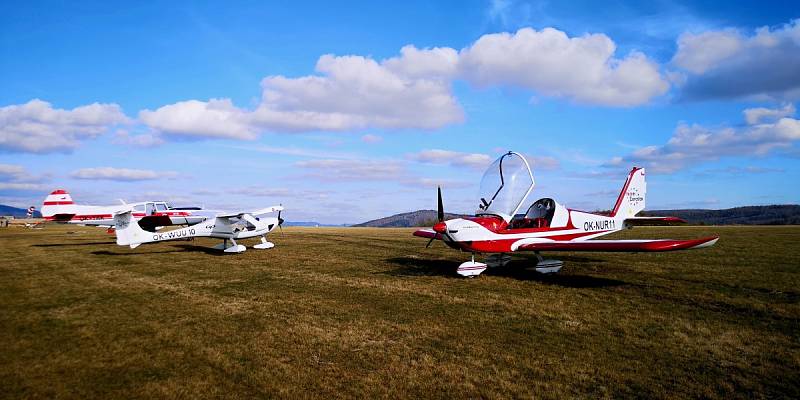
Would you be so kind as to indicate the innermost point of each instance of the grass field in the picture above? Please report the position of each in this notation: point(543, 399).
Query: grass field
point(362, 312)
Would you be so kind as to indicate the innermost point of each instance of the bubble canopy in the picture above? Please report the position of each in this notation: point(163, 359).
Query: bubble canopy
point(505, 186)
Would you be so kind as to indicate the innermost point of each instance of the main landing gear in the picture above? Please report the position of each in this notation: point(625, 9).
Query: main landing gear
point(547, 266)
point(471, 269)
point(235, 248)
point(264, 244)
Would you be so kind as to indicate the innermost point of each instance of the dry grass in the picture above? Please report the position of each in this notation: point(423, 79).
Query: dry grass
point(363, 312)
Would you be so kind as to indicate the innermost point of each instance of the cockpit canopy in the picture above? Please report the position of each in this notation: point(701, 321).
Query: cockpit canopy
point(504, 186)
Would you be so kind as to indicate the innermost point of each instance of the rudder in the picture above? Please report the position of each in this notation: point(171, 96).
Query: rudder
point(631, 199)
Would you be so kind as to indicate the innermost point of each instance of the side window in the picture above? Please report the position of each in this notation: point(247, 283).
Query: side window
point(161, 207)
point(150, 209)
point(139, 208)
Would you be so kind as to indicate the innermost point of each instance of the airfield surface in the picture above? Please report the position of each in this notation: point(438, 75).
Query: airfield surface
point(364, 312)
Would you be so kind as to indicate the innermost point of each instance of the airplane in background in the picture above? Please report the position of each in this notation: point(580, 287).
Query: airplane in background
point(499, 229)
point(59, 207)
point(225, 226)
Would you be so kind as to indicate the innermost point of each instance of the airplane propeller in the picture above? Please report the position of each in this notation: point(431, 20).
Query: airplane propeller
point(280, 221)
point(439, 212)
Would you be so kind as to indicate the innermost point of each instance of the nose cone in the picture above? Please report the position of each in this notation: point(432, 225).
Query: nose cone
point(440, 227)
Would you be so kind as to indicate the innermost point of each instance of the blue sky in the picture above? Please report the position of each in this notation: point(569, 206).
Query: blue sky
point(354, 111)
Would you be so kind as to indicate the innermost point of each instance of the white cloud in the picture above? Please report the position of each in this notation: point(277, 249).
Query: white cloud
point(453, 158)
point(698, 53)
point(693, 144)
point(37, 127)
point(121, 174)
point(553, 64)
point(413, 90)
point(355, 92)
point(351, 92)
point(758, 115)
point(729, 64)
point(437, 62)
point(216, 118)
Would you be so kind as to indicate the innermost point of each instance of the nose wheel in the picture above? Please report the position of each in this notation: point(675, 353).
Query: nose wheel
point(471, 269)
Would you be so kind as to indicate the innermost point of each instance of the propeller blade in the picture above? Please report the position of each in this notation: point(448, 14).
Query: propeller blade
point(280, 222)
point(440, 209)
point(429, 242)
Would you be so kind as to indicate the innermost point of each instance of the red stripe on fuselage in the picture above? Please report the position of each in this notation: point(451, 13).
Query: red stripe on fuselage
point(504, 245)
point(58, 203)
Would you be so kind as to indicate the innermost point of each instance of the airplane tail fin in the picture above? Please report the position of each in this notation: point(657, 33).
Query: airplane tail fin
point(128, 231)
point(58, 202)
point(631, 199)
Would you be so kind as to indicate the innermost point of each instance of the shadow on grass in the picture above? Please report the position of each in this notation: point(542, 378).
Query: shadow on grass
point(181, 248)
point(70, 244)
point(517, 269)
point(139, 253)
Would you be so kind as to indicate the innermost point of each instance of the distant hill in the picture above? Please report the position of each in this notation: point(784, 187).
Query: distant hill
point(786, 214)
point(404, 220)
point(751, 215)
point(308, 223)
point(17, 212)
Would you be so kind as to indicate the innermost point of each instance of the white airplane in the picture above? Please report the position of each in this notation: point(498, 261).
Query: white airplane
point(231, 227)
point(499, 228)
point(59, 207)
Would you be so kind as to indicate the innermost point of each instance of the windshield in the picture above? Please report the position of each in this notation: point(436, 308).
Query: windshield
point(505, 185)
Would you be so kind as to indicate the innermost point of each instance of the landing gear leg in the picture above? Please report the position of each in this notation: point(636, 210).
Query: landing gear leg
point(471, 269)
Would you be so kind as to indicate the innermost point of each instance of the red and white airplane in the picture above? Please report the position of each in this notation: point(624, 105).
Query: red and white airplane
point(499, 229)
point(59, 207)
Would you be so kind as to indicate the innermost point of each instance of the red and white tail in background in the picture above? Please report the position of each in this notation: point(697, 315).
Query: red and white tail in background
point(58, 203)
point(631, 198)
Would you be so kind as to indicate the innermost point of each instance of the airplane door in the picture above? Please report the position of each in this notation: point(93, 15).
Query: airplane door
point(150, 209)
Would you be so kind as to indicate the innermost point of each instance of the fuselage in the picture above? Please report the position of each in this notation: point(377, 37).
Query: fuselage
point(215, 228)
point(493, 234)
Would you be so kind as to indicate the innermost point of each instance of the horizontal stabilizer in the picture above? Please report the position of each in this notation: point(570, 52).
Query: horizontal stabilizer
point(620, 245)
point(639, 221)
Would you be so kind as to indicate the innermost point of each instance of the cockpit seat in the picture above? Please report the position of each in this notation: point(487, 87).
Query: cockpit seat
point(539, 215)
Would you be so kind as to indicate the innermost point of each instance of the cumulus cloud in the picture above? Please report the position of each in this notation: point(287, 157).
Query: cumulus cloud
point(37, 127)
point(729, 63)
point(350, 92)
point(216, 118)
point(437, 62)
point(692, 144)
point(355, 92)
point(121, 174)
point(414, 89)
point(551, 63)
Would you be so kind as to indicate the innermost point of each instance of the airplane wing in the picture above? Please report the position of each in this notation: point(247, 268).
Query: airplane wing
point(256, 212)
point(619, 245)
point(428, 234)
